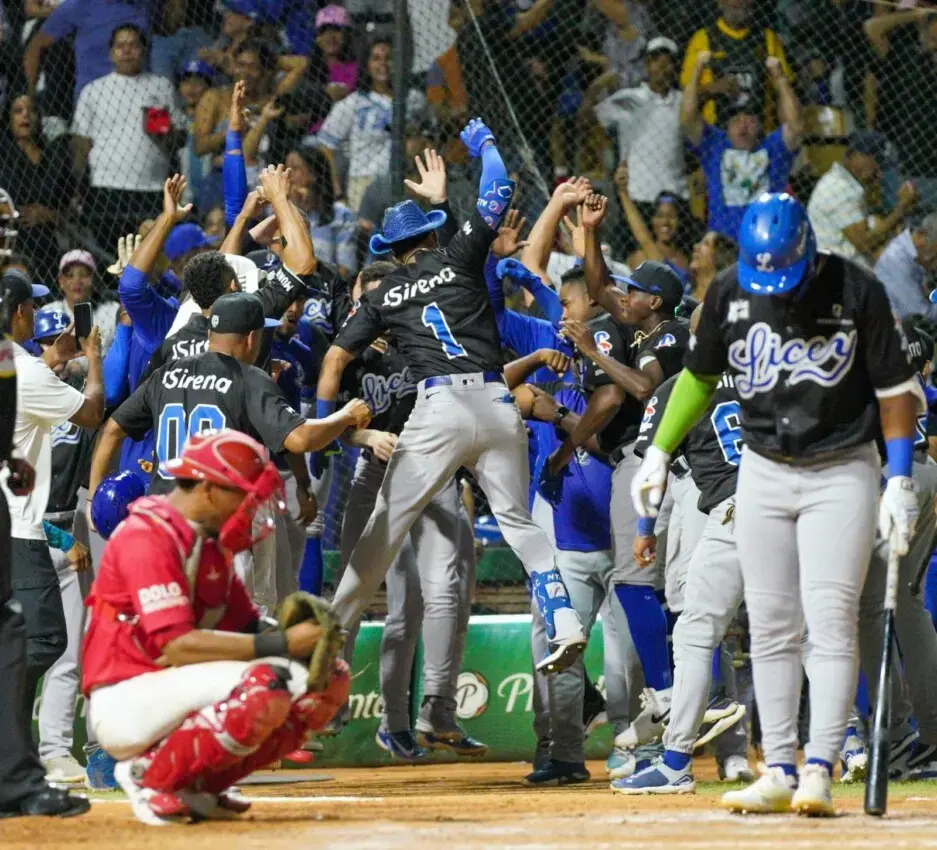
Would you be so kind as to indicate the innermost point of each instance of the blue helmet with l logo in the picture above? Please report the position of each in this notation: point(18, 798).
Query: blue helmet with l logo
point(776, 245)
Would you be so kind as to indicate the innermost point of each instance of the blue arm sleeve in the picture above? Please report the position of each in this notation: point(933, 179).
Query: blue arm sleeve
point(495, 289)
point(58, 539)
point(234, 177)
point(495, 189)
point(116, 365)
point(150, 313)
point(525, 334)
point(547, 298)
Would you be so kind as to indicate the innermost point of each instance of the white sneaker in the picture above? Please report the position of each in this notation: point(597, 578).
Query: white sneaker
point(620, 763)
point(649, 725)
point(64, 769)
point(772, 792)
point(814, 794)
point(854, 757)
point(139, 796)
point(736, 769)
point(568, 642)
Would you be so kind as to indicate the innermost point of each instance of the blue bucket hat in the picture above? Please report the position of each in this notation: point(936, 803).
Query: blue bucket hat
point(403, 221)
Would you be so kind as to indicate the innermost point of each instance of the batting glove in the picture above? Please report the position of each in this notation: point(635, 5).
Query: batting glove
point(647, 486)
point(897, 513)
point(516, 271)
point(474, 137)
point(551, 486)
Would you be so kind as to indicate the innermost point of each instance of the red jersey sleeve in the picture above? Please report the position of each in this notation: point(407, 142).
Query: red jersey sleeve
point(154, 579)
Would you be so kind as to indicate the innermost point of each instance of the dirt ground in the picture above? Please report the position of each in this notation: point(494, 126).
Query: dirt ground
point(463, 806)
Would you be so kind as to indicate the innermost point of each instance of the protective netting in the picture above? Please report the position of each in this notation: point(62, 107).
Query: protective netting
point(570, 87)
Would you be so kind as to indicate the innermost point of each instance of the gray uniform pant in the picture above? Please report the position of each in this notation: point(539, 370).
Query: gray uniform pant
point(913, 625)
point(625, 526)
point(804, 537)
point(471, 424)
point(426, 583)
point(683, 533)
point(713, 595)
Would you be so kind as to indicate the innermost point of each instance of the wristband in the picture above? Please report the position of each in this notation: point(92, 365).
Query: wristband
point(646, 526)
point(900, 454)
point(324, 408)
point(232, 141)
point(270, 644)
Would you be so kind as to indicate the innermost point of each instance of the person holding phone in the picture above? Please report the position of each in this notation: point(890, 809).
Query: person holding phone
point(78, 283)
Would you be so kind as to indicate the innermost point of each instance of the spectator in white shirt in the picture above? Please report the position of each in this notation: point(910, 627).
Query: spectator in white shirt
point(360, 126)
point(42, 403)
point(647, 119)
point(838, 209)
point(129, 123)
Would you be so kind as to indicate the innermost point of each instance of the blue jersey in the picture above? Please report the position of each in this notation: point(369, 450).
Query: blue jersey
point(582, 521)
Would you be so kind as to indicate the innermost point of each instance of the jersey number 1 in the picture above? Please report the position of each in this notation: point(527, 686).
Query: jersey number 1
point(173, 430)
point(436, 322)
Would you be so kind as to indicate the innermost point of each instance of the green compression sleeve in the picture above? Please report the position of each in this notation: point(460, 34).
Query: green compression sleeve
point(688, 401)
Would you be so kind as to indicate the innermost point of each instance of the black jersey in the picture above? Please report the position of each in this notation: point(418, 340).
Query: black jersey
point(806, 367)
point(209, 391)
point(385, 383)
point(437, 309)
point(713, 448)
point(667, 344)
point(615, 341)
point(71, 460)
point(189, 340)
point(329, 299)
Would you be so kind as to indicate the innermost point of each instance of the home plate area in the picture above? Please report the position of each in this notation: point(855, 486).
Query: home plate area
point(462, 806)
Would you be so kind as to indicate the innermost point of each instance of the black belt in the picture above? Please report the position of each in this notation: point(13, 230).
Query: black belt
point(452, 380)
point(680, 468)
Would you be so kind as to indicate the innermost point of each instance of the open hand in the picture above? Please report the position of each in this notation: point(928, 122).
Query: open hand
point(621, 177)
point(573, 192)
point(275, 181)
point(172, 195)
point(126, 245)
point(577, 233)
point(236, 117)
point(432, 183)
point(508, 242)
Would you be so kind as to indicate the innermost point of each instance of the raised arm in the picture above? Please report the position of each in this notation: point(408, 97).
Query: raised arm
point(599, 281)
point(205, 138)
point(636, 223)
point(691, 122)
point(789, 111)
point(298, 254)
point(234, 238)
point(878, 28)
point(542, 235)
point(495, 187)
point(233, 169)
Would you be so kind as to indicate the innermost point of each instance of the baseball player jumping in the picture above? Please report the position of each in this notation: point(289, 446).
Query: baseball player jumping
point(437, 308)
point(185, 689)
point(821, 369)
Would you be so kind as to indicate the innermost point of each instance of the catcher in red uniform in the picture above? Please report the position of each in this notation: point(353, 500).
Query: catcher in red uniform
point(186, 688)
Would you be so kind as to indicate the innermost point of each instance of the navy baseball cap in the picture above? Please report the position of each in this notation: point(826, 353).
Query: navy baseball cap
point(870, 143)
point(247, 8)
point(187, 237)
point(239, 313)
point(655, 279)
point(16, 288)
point(196, 68)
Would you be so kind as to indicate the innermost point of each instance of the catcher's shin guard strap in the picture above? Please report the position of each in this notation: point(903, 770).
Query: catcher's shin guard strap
point(221, 735)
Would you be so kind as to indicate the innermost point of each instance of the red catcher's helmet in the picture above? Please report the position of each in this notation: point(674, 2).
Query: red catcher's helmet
point(231, 459)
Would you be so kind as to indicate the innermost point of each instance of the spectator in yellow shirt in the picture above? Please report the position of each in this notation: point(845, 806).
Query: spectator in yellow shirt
point(736, 74)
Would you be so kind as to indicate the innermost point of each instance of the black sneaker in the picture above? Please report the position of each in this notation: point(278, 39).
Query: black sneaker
point(558, 773)
point(50, 802)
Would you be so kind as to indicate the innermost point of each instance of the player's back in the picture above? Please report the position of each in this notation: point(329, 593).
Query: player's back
point(713, 448)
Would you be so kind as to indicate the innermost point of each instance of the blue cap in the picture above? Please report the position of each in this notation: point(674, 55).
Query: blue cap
point(197, 68)
point(111, 501)
point(247, 8)
point(186, 237)
point(403, 221)
point(49, 323)
point(776, 245)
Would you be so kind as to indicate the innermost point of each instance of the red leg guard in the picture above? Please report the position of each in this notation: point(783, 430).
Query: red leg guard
point(309, 713)
point(221, 735)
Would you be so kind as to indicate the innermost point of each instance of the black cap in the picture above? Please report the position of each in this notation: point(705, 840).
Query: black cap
point(239, 313)
point(656, 279)
point(920, 343)
point(17, 288)
point(870, 143)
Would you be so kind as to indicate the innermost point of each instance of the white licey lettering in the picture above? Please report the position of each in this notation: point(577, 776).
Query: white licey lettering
point(181, 379)
point(396, 295)
point(378, 392)
point(761, 357)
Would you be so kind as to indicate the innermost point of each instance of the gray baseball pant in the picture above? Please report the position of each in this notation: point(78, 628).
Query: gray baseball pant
point(914, 628)
point(471, 424)
point(424, 585)
point(804, 537)
point(682, 536)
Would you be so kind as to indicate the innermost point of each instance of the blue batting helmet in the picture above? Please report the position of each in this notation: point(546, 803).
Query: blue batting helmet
point(776, 245)
point(49, 323)
point(111, 501)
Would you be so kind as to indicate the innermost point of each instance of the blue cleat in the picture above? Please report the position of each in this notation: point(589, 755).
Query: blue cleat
point(451, 741)
point(401, 745)
point(100, 771)
point(657, 778)
point(554, 773)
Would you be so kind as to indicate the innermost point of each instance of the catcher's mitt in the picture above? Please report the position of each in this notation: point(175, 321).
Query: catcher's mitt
point(301, 607)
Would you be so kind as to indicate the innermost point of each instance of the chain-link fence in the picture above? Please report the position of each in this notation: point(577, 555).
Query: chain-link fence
point(681, 111)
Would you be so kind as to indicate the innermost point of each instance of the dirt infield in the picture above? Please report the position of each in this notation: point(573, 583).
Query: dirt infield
point(462, 806)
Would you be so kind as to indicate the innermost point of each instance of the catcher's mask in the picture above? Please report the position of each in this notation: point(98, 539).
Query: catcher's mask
point(235, 461)
point(8, 224)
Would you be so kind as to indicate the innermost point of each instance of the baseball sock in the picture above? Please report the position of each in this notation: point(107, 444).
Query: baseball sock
point(825, 764)
point(789, 769)
point(648, 627)
point(863, 706)
point(312, 567)
point(675, 760)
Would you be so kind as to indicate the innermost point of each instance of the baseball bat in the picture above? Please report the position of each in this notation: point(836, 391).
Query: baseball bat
point(876, 788)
